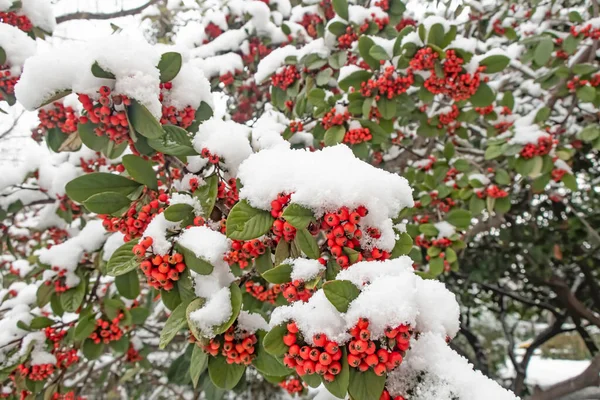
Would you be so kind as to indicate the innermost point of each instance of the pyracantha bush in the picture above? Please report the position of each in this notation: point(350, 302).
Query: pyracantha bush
point(293, 225)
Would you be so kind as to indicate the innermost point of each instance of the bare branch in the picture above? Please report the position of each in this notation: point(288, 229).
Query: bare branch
point(589, 377)
point(104, 16)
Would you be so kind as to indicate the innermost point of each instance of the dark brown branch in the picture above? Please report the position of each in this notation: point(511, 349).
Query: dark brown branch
point(589, 377)
point(104, 16)
point(573, 305)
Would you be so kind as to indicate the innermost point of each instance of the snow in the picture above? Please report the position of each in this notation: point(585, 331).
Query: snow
point(111, 245)
point(529, 134)
point(313, 180)
point(304, 269)
point(438, 309)
point(273, 61)
point(228, 41)
point(205, 243)
point(40, 13)
point(359, 14)
point(251, 322)
point(68, 254)
point(434, 371)
point(190, 88)
point(183, 198)
point(348, 70)
point(364, 272)
point(560, 164)
point(445, 229)
point(484, 180)
point(227, 139)
point(157, 230)
point(17, 46)
point(219, 65)
point(215, 311)
point(23, 266)
point(9, 331)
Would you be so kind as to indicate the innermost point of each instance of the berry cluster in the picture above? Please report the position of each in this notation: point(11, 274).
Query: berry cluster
point(227, 78)
point(358, 135)
point(22, 22)
point(133, 223)
point(441, 243)
point(161, 271)
point(334, 117)
point(385, 395)
point(296, 126)
point(109, 113)
point(244, 252)
point(543, 147)
point(107, 331)
point(449, 117)
point(262, 293)
point(38, 372)
point(67, 396)
point(228, 192)
point(170, 115)
point(383, 355)
point(404, 22)
point(64, 359)
point(213, 31)
point(323, 358)
point(281, 228)
point(587, 31)
point(345, 41)
point(60, 117)
point(66, 204)
point(557, 174)
point(236, 348)
point(212, 158)
point(388, 85)
point(7, 83)
point(296, 291)
point(286, 77)
point(133, 355)
point(292, 385)
point(310, 22)
point(58, 280)
point(492, 191)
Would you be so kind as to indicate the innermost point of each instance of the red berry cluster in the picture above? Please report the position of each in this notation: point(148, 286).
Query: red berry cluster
point(587, 31)
point(444, 205)
point(244, 252)
point(22, 22)
point(485, 110)
point(332, 118)
point(286, 77)
point(60, 117)
point(133, 355)
point(36, 372)
point(228, 192)
point(109, 113)
point(170, 115)
point(557, 174)
point(404, 22)
point(383, 355)
point(236, 348)
point(161, 271)
point(492, 191)
point(327, 7)
point(107, 331)
point(262, 293)
point(7, 83)
point(385, 395)
point(323, 358)
point(441, 243)
point(292, 385)
point(543, 147)
point(67, 396)
point(358, 135)
point(257, 51)
point(296, 291)
point(380, 22)
point(227, 79)
point(66, 204)
point(59, 280)
point(134, 222)
point(212, 158)
point(212, 30)
point(281, 228)
point(345, 40)
point(449, 117)
point(388, 85)
point(296, 126)
point(310, 22)
point(64, 359)
point(383, 4)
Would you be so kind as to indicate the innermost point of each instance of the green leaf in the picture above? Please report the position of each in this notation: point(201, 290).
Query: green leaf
point(436, 35)
point(139, 315)
point(143, 121)
point(307, 243)
point(57, 96)
point(121, 345)
point(128, 284)
point(339, 386)
point(476, 205)
point(265, 362)
point(107, 202)
point(493, 151)
point(586, 93)
point(279, 274)
point(273, 341)
point(340, 294)
point(502, 177)
point(378, 53)
point(174, 142)
point(334, 135)
point(91, 350)
point(176, 322)
point(55, 138)
point(224, 375)
point(365, 385)
point(428, 229)
point(508, 100)
point(72, 298)
point(483, 97)
point(198, 364)
point(194, 263)
point(207, 194)
point(2, 56)
point(543, 51)
point(82, 188)
point(264, 262)
point(140, 170)
point(387, 108)
point(40, 323)
point(89, 137)
point(203, 113)
point(99, 72)
point(298, 216)
point(459, 218)
point(169, 66)
point(364, 46)
point(355, 79)
point(436, 266)
point(502, 205)
point(403, 245)
point(584, 69)
point(245, 222)
point(570, 182)
point(495, 63)
point(178, 212)
point(337, 28)
point(123, 260)
point(341, 8)
point(236, 306)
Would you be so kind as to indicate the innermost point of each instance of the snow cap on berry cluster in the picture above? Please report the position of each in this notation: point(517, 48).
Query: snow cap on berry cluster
point(17, 46)
point(189, 88)
point(432, 370)
point(324, 181)
point(157, 230)
point(39, 12)
point(251, 322)
point(304, 269)
point(276, 59)
point(215, 311)
point(226, 139)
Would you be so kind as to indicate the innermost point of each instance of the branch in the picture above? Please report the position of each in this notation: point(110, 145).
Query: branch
point(104, 16)
point(11, 127)
point(573, 305)
point(587, 378)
